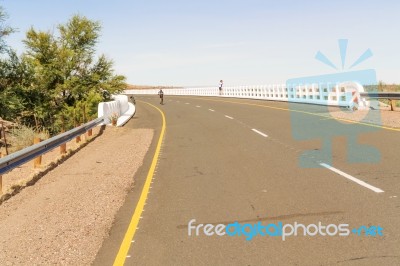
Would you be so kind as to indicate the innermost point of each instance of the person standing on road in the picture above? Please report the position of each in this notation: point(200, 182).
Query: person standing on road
point(161, 94)
point(221, 82)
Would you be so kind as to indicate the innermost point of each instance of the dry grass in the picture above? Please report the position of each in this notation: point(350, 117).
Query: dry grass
point(22, 137)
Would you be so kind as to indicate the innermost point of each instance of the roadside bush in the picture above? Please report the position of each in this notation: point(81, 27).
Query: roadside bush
point(23, 136)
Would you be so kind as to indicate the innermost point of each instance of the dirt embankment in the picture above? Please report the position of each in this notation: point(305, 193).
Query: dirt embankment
point(65, 216)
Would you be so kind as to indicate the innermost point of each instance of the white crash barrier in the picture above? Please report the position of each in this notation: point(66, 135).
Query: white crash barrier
point(346, 94)
point(120, 106)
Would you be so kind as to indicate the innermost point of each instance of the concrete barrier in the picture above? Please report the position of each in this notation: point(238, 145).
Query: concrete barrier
point(119, 106)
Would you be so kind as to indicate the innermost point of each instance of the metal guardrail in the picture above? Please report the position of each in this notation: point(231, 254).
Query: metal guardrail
point(381, 95)
point(20, 157)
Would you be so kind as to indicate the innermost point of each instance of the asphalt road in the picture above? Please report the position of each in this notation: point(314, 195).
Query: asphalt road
point(228, 160)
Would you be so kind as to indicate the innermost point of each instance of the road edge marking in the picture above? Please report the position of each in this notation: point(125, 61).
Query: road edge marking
point(130, 232)
point(259, 132)
point(352, 178)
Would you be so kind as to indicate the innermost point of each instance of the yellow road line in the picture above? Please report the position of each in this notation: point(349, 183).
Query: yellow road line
point(299, 111)
point(130, 233)
point(327, 118)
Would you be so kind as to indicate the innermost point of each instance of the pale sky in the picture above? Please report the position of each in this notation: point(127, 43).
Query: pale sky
point(247, 42)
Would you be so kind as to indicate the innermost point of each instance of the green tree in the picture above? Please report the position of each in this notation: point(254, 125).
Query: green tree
point(16, 76)
point(69, 79)
point(10, 69)
point(5, 30)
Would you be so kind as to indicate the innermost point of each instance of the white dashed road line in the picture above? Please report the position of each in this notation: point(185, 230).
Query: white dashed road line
point(198, 106)
point(227, 116)
point(211, 110)
point(259, 132)
point(352, 178)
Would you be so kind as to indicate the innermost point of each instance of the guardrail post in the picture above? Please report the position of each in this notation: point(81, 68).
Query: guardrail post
point(392, 104)
point(63, 147)
point(3, 135)
point(90, 132)
point(37, 162)
point(78, 138)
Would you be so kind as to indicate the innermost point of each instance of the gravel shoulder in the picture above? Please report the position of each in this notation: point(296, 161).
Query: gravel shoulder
point(65, 216)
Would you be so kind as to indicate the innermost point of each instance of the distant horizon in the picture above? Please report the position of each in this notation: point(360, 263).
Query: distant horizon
point(255, 42)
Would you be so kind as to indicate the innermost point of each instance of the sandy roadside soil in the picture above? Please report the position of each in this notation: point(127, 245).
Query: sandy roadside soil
point(24, 173)
point(65, 216)
point(381, 117)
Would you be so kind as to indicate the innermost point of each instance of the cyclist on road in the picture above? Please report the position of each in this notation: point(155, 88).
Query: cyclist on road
point(161, 94)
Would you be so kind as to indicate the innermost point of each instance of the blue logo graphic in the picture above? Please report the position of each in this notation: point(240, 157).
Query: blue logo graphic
point(340, 89)
point(368, 231)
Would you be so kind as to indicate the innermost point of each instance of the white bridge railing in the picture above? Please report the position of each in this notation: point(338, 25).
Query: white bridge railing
point(345, 94)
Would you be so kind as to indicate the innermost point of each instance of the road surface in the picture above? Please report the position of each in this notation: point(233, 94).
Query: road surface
point(228, 160)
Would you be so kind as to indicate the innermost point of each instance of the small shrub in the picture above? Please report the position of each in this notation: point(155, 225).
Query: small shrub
point(22, 137)
point(114, 118)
